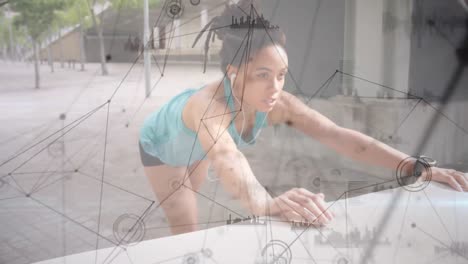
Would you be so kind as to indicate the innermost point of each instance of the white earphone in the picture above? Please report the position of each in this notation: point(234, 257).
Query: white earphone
point(233, 79)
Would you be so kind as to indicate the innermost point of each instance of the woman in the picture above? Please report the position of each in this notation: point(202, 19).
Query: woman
point(188, 134)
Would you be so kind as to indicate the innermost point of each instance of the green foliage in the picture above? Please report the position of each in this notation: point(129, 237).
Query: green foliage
point(76, 11)
point(4, 34)
point(21, 36)
point(36, 15)
point(39, 17)
point(19, 33)
point(134, 3)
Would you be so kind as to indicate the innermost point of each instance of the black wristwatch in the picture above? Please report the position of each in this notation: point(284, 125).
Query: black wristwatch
point(423, 163)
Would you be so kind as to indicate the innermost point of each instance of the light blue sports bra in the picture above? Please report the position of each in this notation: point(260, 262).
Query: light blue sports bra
point(164, 134)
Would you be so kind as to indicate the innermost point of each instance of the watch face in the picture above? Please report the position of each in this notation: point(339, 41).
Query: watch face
point(409, 179)
point(429, 161)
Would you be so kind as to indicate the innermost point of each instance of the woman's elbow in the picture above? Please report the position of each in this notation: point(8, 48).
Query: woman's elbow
point(225, 159)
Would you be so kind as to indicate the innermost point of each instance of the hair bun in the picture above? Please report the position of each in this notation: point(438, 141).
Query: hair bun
point(233, 39)
point(236, 10)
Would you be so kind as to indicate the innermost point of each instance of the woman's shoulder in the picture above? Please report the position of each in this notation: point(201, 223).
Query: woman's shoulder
point(280, 112)
point(208, 105)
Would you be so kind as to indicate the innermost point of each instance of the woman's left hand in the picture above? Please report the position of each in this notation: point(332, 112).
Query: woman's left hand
point(456, 179)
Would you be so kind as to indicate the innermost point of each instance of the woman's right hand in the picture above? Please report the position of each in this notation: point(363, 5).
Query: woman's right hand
point(301, 205)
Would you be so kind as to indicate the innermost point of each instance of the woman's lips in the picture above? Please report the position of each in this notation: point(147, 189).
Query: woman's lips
point(269, 102)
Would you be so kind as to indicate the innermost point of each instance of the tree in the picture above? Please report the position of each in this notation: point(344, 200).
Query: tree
point(7, 33)
point(22, 41)
point(97, 26)
point(116, 4)
point(77, 13)
point(36, 16)
point(4, 34)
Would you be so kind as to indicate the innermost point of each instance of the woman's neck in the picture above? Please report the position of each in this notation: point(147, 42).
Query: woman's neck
point(246, 109)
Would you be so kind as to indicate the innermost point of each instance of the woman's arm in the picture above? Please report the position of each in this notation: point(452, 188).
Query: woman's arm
point(229, 163)
point(237, 177)
point(354, 144)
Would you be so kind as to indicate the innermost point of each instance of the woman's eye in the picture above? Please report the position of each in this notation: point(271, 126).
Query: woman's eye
point(263, 75)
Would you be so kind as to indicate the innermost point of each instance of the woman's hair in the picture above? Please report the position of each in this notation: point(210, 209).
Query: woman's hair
point(237, 42)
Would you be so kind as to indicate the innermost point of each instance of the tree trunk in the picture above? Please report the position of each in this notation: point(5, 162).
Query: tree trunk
point(3, 52)
point(82, 44)
point(61, 48)
point(13, 57)
point(36, 63)
point(49, 55)
point(101, 42)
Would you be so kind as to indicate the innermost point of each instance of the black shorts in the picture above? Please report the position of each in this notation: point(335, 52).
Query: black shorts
point(147, 159)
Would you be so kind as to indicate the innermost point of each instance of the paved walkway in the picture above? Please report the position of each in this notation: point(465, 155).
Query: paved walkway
point(52, 140)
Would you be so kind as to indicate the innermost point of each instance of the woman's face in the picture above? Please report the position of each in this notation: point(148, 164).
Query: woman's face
point(263, 77)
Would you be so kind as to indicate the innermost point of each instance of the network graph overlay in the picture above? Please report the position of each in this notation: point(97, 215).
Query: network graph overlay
point(56, 169)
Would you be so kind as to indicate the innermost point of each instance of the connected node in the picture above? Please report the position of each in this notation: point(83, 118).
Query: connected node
point(174, 185)
point(335, 172)
point(407, 176)
point(128, 228)
point(174, 9)
point(207, 252)
point(191, 258)
point(340, 259)
point(56, 149)
point(316, 182)
point(277, 251)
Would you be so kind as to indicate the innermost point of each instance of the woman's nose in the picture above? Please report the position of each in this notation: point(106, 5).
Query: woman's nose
point(276, 84)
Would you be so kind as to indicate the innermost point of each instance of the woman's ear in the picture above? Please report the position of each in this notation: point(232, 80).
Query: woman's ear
point(230, 70)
